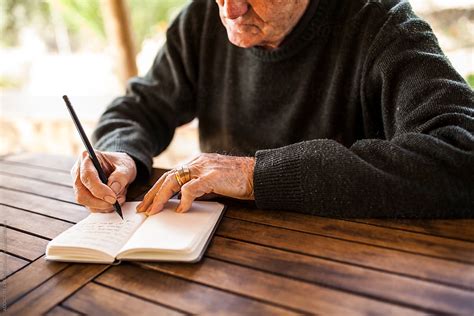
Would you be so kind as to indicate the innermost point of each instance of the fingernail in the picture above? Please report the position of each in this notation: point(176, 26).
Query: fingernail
point(139, 207)
point(115, 187)
point(109, 199)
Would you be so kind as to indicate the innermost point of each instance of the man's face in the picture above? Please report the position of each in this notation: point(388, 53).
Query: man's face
point(260, 22)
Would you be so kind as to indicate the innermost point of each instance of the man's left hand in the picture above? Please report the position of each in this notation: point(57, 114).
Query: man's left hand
point(210, 173)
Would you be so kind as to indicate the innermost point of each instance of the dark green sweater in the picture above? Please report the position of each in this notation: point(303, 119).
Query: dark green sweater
point(358, 113)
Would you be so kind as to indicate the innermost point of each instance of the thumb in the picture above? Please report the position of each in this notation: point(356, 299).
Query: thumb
point(119, 179)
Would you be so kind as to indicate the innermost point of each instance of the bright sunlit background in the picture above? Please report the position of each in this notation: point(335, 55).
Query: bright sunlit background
point(55, 47)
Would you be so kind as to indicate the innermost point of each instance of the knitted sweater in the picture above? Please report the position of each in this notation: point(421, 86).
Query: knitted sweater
point(358, 114)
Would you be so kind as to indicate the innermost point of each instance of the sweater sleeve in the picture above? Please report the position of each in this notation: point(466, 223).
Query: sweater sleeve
point(423, 166)
point(142, 122)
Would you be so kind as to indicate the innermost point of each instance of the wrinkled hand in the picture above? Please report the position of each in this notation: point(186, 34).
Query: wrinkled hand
point(210, 173)
point(89, 190)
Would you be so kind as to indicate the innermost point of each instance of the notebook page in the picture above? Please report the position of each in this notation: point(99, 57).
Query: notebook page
point(105, 232)
point(171, 231)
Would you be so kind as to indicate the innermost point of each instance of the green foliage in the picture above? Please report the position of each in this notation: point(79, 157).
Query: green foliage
point(16, 14)
point(80, 13)
point(146, 15)
point(470, 80)
point(9, 83)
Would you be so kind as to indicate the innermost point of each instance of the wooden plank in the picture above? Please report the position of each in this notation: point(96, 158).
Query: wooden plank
point(56, 289)
point(427, 268)
point(136, 191)
point(187, 296)
point(23, 245)
point(40, 225)
point(61, 311)
point(30, 277)
point(462, 229)
point(50, 161)
point(10, 264)
point(55, 191)
point(42, 205)
point(302, 296)
point(34, 172)
point(49, 165)
point(95, 299)
point(380, 285)
point(59, 192)
point(462, 251)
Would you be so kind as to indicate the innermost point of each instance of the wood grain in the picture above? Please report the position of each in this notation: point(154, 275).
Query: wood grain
point(462, 229)
point(395, 239)
point(55, 289)
point(95, 299)
point(50, 161)
point(23, 245)
point(187, 296)
point(38, 204)
point(36, 173)
point(30, 277)
point(38, 187)
point(55, 191)
point(382, 286)
point(260, 262)
point(428, 268)
point(40, 225)
point(301, 296)
point(11, 263)
point(61, 311)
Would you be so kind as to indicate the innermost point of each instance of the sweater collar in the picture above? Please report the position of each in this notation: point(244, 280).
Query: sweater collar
point(301, 34)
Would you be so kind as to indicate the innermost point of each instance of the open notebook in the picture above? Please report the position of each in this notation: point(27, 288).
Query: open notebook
point(166, 236)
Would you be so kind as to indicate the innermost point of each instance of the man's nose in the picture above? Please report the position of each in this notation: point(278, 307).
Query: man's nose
point(235, 8)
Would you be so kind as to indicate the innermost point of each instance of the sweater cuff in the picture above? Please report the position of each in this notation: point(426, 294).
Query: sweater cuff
point(277, 178)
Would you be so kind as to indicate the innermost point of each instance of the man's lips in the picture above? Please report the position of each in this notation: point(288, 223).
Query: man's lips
point(241, 25)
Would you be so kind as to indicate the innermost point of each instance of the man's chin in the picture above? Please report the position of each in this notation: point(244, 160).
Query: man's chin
point(242, 41)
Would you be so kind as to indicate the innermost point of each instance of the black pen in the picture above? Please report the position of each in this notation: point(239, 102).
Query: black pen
point(91, 151)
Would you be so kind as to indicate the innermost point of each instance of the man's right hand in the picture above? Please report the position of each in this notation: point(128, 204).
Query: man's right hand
point(89, 190)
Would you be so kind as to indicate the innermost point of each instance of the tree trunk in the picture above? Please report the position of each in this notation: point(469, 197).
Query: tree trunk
point(116, 19)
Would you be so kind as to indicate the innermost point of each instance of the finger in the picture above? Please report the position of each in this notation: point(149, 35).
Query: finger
point(121, 199)
point(75, 171)
point(191, 191)
point(90, 179)
point(119, 179)
point(169, 187)
point(111, 208)
point(75, 175)
point(150, 196)
point(84, 197)
point(95, 210)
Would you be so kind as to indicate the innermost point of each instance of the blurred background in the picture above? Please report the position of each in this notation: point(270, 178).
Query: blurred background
point(87, 49)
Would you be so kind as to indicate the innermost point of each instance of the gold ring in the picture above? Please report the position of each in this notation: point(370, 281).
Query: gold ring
point(182, 175)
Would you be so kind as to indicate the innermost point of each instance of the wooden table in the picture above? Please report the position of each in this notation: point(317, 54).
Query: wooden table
point(259, 262)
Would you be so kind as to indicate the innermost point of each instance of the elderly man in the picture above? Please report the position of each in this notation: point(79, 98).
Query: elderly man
point(336, 108)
